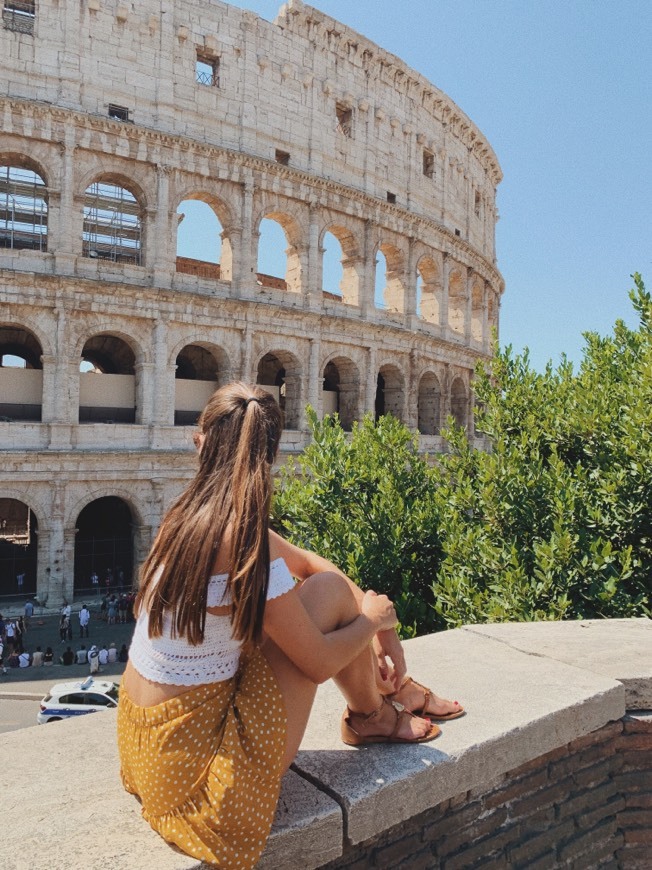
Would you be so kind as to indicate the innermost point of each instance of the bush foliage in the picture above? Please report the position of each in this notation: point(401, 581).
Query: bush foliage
point(553, 521)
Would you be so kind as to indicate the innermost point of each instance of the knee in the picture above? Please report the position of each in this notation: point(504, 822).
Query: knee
point(331, 588)
point(325, 582)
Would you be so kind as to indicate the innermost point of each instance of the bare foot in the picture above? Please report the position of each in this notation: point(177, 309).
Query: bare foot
point(381, 722)
point(412, 695)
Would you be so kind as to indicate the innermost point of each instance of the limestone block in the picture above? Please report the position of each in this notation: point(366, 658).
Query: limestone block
point(620, 649)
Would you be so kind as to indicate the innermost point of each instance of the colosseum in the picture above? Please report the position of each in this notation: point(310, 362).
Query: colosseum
point(122, 123)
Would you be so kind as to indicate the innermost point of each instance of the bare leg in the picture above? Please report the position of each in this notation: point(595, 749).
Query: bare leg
point(331, 605)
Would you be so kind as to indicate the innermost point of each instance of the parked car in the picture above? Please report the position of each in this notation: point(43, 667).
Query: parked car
point(76, 699)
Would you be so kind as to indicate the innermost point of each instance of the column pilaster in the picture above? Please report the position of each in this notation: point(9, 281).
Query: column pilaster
point(468, 307)
point(314, 380)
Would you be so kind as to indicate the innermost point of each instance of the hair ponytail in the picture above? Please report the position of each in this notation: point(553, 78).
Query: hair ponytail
point(231, 492)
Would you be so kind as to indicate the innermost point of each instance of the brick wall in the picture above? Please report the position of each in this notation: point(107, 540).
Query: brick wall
point(585, 805)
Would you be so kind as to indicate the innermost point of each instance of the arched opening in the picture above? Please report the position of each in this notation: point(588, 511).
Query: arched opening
point(428, 290)
point(341, 390)
point(104, 546)
point(113, 398)
point(198, 375)
point(390, 290)
point(279, 265)
point(340, 277)
point(390, 392)
point(280, 375)
point(459, 403)
point(429, 405)
point(477, 294)
point(456, 302)
point(18, 550)
point(21, 375)
point(332, 270)
point(203, 249)
point(112, 224)
point(23, 208)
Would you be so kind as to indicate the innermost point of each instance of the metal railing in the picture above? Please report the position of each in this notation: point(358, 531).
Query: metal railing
point(19, 15)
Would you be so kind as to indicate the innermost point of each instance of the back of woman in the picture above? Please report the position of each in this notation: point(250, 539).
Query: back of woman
point(192, 744)
point(228, 650)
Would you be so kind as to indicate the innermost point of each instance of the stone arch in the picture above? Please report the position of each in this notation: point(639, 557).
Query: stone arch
point(348, 289)
point(222, 257)
point(104, 544)
point(21, 374)
point(392, 293)
point(457, 300)
point(459, 402)
point(23, 203)
point(43, 338)
point(428, 290)
point(109, 356)
point(104, 490)
point(34, 500)
point(135, 181)
point(429, 404)
point(28, 161)
point(113, 228)
point(19, 528)
point(201, 367)
point(291, 279)
point(390, 392)
point(138, 344)
point(279, 371)
point(341, 383)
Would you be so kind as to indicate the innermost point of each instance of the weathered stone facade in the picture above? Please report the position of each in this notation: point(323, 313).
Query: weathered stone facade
point(112, 115)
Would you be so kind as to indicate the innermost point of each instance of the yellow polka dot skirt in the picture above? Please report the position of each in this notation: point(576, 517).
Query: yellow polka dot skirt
point(206, 765)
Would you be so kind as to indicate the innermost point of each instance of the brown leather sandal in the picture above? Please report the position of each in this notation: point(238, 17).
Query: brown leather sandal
point(427, 695)
point(354, 738)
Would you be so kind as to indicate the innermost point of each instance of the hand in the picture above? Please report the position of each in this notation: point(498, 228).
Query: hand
point(387, 645)
point(379, 610)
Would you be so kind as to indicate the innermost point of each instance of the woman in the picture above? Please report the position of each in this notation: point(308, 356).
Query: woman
point(228, 650)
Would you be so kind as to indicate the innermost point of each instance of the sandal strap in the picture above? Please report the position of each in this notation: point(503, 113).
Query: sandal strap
point(427, 694)
point(401, 714)
point(365, 717)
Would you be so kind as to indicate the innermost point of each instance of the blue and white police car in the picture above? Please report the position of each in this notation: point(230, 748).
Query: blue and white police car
point(76, 699)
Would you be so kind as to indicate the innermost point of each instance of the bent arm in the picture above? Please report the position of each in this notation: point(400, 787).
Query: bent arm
point(318, 655)
point(304, 563)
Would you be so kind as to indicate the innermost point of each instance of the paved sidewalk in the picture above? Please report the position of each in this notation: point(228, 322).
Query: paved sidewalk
point(44, 631)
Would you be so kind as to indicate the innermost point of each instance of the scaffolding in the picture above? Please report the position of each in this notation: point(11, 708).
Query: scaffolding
point(14, 522)
point(112, 225)
point(19, 15)
point(23, 209)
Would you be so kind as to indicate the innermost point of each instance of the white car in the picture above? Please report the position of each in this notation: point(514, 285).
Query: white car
point(76, 699)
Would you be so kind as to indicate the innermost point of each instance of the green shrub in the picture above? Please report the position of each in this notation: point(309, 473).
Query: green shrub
point(556, 520)
point(364, 500)
point(553, 521)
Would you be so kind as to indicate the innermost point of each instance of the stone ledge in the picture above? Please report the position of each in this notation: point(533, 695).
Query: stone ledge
point(526, 690)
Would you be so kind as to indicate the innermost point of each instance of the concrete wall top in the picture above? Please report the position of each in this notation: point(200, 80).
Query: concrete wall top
point(527, 689)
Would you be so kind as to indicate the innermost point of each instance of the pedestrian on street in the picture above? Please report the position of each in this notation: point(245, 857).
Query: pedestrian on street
point(84, 619)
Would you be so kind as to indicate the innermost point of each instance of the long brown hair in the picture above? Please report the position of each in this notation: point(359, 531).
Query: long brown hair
point(241, 428)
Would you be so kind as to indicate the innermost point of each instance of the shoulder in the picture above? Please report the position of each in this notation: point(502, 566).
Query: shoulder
point(280, 578)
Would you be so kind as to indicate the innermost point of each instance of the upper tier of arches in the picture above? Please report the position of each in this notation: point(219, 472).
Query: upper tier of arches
point(253, 242)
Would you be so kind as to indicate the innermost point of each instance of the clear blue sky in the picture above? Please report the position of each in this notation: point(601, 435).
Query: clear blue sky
point(562, 90)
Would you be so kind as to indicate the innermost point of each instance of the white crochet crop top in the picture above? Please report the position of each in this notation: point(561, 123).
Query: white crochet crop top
point(176, 662)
